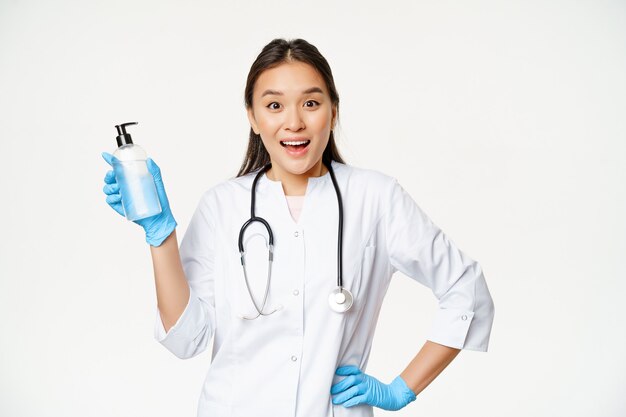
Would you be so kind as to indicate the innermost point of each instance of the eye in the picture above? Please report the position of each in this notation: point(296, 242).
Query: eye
point(273, 105)
point(312, 102)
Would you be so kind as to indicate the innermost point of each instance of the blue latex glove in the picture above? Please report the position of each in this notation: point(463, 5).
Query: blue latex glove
point(359, 388)
point(157, 227)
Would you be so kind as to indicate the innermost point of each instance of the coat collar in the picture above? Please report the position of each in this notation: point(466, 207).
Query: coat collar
point(265, 183)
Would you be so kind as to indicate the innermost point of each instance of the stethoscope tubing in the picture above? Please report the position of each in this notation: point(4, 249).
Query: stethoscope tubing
point(340, 229)
point(343, 293)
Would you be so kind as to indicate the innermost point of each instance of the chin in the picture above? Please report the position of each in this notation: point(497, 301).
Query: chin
point(297, 167)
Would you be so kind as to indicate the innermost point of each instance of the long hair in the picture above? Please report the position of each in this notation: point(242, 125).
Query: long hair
point(273, 54)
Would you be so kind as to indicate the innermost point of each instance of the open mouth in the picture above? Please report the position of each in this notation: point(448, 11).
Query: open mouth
point(295, 145)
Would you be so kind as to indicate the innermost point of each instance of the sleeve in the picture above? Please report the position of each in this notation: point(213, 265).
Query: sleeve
point(420, 250)
point(195, 327)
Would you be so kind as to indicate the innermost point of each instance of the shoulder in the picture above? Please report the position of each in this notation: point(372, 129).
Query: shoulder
point(227, 191)
point(372, 189)
point(365, 178)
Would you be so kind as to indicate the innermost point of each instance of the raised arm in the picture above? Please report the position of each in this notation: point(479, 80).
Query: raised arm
point(172, 288)
point(186, 318)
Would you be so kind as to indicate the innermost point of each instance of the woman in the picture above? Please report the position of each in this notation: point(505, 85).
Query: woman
point(299, 345)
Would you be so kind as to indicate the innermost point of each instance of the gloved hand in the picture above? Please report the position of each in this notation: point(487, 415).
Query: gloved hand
point(157, 227)
point(359, 388)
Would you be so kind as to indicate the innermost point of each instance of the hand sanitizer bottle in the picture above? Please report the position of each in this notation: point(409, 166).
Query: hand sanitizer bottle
point(137, 188)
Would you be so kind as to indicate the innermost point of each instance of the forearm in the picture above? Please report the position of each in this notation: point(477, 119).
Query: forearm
point(171, 286)
point(427, 364)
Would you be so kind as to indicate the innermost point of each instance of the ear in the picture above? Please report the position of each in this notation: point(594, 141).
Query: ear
point(252, 120)
point(333, 120)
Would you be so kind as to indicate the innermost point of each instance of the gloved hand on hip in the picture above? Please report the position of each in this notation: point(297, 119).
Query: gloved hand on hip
point(157, 227)
point(359, 388)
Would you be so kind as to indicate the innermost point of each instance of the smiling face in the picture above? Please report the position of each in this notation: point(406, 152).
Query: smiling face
point(291, 104)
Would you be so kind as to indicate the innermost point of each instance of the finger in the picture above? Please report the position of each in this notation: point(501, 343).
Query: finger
point(111, 188)
point(109, 158)
point(343, 385)
point(115, 204)
point(114, 198)
point(345, 396)
point(348, 370)
point(118, 208)
point(359, 399)
point(110, 178)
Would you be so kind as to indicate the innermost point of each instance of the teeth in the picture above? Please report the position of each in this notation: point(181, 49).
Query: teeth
point(293, 143)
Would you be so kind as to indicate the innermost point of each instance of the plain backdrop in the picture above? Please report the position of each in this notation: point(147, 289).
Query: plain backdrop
point(505, 120)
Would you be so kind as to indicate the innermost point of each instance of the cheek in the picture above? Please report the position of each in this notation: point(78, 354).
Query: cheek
point(320, 121)
point(268, 125)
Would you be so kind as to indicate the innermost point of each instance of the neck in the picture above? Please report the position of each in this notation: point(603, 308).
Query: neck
point(295, 184)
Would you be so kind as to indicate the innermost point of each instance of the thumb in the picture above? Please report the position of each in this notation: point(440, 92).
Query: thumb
point(154, 169)
point(109, 158)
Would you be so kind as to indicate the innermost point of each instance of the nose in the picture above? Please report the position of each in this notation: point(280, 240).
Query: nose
point(294, 120)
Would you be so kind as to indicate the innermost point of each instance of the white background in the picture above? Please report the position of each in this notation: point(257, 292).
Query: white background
point(505, 120)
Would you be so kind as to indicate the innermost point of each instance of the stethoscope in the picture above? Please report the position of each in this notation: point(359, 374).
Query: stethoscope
point(340, 299)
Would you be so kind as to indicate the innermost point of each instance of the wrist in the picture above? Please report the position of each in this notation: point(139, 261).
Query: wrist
point(157, 234)
point(400, 386)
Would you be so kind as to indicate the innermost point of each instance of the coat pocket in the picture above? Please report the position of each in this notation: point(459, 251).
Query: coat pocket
point(361, 270)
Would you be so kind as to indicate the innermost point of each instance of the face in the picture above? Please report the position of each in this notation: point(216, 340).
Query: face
point(290, 103)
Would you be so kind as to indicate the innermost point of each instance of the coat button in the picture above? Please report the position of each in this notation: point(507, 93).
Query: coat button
point(296, 292)
point(295, 233)
point(293, 358)
point(463, 317)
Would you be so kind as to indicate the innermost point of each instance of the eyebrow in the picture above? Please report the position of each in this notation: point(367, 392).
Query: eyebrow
point(279, 93)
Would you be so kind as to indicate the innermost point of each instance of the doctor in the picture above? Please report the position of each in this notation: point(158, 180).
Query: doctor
point(281, 345)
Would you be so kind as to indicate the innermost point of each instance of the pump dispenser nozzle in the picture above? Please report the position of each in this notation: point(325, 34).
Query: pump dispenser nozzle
point(123, 138)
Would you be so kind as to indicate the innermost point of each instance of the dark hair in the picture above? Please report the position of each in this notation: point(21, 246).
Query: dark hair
point(273, 54)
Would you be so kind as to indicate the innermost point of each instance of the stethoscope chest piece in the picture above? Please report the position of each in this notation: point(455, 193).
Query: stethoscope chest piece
point(340, 300)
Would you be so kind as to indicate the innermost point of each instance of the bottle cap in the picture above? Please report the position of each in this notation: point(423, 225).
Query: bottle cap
point(123, 138)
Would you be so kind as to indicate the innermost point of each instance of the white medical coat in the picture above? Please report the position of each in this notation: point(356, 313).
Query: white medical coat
point(283, 365)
